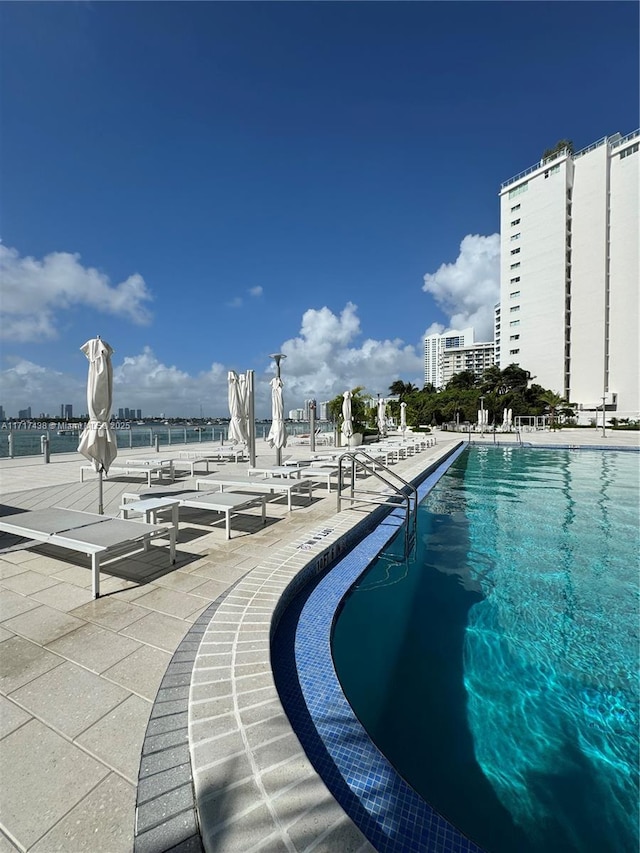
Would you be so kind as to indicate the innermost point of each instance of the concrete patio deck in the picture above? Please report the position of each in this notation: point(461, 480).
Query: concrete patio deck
point(160, 692)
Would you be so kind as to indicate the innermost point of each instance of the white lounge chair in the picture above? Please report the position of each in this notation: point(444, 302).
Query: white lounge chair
point(270, 485)
point(292, 470)
point(101, 537)
point(159, 467)
point(228, 503)
point(324, 473)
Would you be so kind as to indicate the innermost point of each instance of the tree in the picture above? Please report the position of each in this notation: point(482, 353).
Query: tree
point(560, 145)
point(492, 380)
point(514, 378)
point(402, 389)
point(464, 380)
point(553, 402)
point(359, 409)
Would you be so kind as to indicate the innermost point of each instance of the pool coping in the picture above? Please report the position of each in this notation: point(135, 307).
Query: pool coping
point(258, 776)
point(254, 786)
point(390, 813)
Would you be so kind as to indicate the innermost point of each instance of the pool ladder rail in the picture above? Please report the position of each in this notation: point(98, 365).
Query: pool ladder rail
point(480, 438)
point(399, 492)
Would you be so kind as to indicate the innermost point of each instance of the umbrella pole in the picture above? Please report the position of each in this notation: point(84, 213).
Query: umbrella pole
point(312, 427)
point(251, 419)
point(100, 507)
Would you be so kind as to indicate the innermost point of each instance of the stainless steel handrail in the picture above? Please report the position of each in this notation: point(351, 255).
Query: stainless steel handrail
point(405, 494)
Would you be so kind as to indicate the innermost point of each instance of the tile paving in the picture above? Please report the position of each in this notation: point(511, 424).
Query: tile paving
point(97, 697)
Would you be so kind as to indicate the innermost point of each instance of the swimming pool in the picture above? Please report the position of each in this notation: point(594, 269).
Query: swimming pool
point(498, 669)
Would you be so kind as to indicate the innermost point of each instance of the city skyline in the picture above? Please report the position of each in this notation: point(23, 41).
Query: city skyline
point(320, 180)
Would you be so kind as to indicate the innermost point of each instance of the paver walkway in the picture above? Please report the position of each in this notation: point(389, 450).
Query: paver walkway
point(78, 678)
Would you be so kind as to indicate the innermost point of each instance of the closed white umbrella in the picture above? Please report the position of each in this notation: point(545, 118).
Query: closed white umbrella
point(382, 417)
point(347, 423)
point(278, 433)
point(98, 440)
point(237, 409)
point(403, 417)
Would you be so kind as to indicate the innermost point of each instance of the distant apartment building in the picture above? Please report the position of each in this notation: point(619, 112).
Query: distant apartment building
point(2, 415)
point(24, 414)
point(569, 274)
point(323, 411)
point(296, 415)
point(126, 414)
point(475, 358)
point(452, 352)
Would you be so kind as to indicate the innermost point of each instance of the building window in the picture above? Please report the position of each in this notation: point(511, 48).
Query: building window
point(515, 251)
point(514, 323)
point(514, 337)
point(633, 149)
point(514, 308)
point(552, 171)
point(515, 207)
point(514, 351)
point(519, 190)
point(514, 266)
point(514, 293)
point(515, 222)
point(515, 281)
point(515, 236)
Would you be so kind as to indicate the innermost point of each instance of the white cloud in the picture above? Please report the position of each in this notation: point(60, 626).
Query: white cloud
point(144, 382)
point(434, 329)
point(327, 356)
point(324, 360)
point(236, 302)
point(27, 384)
point(35, 293)
point(468, 289)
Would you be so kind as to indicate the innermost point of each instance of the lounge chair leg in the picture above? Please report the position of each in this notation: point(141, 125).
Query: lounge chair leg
point(95, 574)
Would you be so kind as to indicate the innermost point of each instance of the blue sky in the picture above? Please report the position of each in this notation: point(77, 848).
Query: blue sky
point(203, 184)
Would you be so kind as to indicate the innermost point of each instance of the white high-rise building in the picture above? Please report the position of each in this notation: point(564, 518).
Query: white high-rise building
point(435, 345)
point(453, 352)
point(570, 277)
point(475, 358)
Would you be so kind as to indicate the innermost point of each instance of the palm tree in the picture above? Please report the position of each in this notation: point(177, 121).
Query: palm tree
point(553, 402)
point(492, 380)
point(462, 381)
point(401, 389)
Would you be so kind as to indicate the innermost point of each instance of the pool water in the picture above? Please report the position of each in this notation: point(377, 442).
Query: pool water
point(498, 668)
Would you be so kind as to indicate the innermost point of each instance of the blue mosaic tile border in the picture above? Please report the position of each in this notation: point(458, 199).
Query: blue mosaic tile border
point(394, 818)
point(530, 446)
